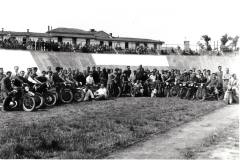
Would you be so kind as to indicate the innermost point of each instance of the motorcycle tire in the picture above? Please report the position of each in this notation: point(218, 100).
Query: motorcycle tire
point(50, 99)
point(8, 104)
point(78, 96)
point(174, 92)
point(39, 100)
point(66, 96)
point(29, 103)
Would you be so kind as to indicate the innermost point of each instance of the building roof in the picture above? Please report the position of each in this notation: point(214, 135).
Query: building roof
point(69, 31)
point(128, 39)
point(79, 33)
point(33, 34)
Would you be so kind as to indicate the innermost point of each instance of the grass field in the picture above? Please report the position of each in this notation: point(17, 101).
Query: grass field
point(93, 129)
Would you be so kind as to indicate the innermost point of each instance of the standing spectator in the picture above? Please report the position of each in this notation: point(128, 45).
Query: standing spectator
point(6, 87)
point(226, 78)
point(95, 75)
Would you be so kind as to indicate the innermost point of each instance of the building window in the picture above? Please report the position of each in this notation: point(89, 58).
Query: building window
point(101, 43)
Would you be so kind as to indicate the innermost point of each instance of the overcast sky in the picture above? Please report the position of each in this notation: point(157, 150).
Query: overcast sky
point(172, 21)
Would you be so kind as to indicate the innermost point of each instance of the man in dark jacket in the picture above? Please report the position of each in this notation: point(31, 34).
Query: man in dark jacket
point(6, 86)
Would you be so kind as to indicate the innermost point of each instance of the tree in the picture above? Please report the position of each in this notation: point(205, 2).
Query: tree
point(224, 39)
point(206, 38)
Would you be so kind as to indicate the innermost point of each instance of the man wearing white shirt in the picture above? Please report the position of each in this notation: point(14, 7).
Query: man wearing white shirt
point(101, 93)
point(153, 77)
point(226, 78)
point(90, 80)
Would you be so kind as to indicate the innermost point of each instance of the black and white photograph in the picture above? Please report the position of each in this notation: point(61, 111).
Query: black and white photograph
point(119, 79)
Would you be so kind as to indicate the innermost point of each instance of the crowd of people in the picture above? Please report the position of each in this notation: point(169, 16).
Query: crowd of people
point(50, 45)
point(40, 45)
point(106, 79)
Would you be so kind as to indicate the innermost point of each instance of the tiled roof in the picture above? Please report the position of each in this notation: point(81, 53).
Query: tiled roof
point(69, 31)
point(135, 40)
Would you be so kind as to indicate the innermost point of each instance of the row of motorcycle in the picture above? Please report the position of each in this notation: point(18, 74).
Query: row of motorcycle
point(184, 90)
point(30, 98)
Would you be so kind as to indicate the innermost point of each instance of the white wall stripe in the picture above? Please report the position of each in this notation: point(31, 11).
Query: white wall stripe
point(132, 60)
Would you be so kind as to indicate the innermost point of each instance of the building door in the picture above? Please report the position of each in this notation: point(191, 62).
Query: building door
point(155, 46)
point(24, 40)
point(126, 45)
point(110, 43)
point(74, 41)
point(101, 43)
point(60, 39)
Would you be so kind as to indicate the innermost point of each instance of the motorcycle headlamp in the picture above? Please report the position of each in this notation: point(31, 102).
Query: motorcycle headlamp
point(26, 88)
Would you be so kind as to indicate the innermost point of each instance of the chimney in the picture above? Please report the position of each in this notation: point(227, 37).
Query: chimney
point(48, 28)
point(92, 30)
point(27, 30)
point(51, 27)
point(110, 34)
point(2, 29)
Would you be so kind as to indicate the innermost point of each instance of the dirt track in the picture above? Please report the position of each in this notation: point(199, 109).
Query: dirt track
point(174, 143)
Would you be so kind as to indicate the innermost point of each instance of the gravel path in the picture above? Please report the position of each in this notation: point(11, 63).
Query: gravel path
point(173, 143)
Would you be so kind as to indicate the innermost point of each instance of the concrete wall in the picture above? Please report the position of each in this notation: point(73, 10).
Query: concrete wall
point(26, 59)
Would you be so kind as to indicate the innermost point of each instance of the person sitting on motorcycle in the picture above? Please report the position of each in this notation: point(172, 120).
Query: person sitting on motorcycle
point(211, 86)
point(171, 77)
point(16, 73)
point(101, 93)
point(191, 89)
point(57, 79)
point(29, 72)
point(49, 76)
point(20, 80)
point(6, 86)
point(70, 79)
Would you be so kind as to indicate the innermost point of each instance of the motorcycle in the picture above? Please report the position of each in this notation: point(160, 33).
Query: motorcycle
point(174, 91)
point(183, 89)
point(47, 93)
point(64, 92)
point(20, 98)
point(167, 89)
